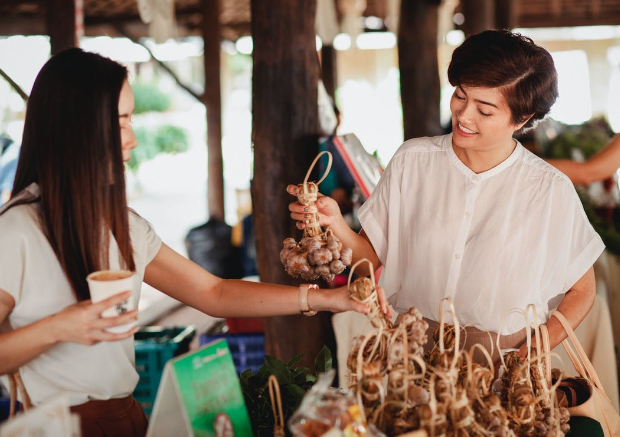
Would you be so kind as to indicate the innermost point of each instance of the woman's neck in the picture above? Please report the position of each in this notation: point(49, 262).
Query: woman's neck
point(481, 160)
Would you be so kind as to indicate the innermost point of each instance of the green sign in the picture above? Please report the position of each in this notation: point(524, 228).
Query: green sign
point(209, 386)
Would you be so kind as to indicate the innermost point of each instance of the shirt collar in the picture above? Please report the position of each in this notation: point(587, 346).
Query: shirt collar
point(27, 195)
point(476, 177)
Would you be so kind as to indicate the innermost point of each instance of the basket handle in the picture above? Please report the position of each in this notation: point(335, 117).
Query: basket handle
point(371, 268)
point(329, 166)
point(586, 369)
point(276, 399)
point(457, 326)
point(15, 384)
point(470, 358)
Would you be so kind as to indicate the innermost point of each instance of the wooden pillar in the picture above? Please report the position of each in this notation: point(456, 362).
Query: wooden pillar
point(419, 70)
point(329, 72)
point(479, 15)
point(284, 132)
point(212, 99)
point(506, 13)
point(64, 20)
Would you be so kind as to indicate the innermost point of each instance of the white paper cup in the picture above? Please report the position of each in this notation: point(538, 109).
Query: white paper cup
point(107, 283)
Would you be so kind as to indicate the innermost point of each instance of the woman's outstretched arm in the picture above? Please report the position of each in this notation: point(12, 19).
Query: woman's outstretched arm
point(189, 283)
point(601, 166)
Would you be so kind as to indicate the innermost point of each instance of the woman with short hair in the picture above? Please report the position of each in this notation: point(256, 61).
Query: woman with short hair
point(475, 217)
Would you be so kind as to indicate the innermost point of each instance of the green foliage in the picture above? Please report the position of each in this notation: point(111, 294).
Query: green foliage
point(606, 222)
point(589, 138)
point(165, 139)
point(294, 382)
point(149, 98)
point(239, 64)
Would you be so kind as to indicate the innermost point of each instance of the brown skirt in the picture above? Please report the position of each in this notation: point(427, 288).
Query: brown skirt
point(471, 336)
point(112, 418)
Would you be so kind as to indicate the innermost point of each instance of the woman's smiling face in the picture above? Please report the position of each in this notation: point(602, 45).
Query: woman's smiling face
point(481, 119)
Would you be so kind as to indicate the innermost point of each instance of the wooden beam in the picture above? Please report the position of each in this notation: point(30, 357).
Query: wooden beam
point(329, 72)
point(123, 31)
point(61, 16)
point(284, 133)
point(507, 13)
point(607, 18)
point(419, 68)
point(213, 101)
point(479, 15)
point(14, 85)
point(22, 25)
point(595, 8)
point(556, 8)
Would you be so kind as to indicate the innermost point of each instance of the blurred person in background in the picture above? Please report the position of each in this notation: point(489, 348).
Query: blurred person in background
point(601, 166)
point(9, 152)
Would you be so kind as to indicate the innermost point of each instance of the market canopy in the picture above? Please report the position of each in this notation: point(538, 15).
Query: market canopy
point(28, 17)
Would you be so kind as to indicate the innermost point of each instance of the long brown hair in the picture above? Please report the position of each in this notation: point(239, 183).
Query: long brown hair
point(72, 149)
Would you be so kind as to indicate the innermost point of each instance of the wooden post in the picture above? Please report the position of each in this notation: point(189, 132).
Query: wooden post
point(479, 16)
point(506, 13)
point(64, 20)
point(284, 132)
point(213, 101)
point(329, 72)
point(419, 69)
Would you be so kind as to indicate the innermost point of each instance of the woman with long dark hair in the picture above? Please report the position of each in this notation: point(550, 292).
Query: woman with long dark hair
point(67, 218)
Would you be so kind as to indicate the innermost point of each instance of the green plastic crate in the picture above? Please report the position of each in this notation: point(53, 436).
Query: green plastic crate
point(154, 347)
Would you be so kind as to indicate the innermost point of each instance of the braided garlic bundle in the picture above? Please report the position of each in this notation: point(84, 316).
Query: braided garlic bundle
point(445, 391)
point(319, 254)
point(363, 290)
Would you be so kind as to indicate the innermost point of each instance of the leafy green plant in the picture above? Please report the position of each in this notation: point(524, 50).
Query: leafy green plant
point(588, 138)
point(605, 221)
point(165, 139)
point(149, 98)
point(294, 382)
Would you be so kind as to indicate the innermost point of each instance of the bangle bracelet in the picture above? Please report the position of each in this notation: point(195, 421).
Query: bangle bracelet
point(303, 299)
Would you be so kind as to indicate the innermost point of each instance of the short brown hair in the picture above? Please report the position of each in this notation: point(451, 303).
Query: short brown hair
point(523, 71)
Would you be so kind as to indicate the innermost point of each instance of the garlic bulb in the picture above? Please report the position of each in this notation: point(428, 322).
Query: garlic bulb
point(337, 266)
point(315, 257)
point(346, 256)
point(321, 257)
point(284, 255)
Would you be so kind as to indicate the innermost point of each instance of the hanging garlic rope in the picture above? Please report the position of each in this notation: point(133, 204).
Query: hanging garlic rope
point(319, 254)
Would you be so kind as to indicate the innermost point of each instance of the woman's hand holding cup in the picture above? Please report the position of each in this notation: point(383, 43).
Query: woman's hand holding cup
point(83, 322)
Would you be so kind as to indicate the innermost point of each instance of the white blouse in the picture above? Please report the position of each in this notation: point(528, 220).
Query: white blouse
point(492, 242)
point(32, 275)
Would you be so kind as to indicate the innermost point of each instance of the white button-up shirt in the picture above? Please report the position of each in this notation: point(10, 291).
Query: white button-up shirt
point(492, 242)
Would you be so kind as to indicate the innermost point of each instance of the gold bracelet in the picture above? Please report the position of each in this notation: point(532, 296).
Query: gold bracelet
point(303, 299)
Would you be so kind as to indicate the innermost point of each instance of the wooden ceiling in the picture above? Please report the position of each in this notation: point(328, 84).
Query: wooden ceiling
point(558, 13)
point(102, 17)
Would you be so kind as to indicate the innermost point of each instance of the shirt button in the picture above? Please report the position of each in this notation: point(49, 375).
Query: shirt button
point(457, 256)
point(475, 178)
point(467, 215)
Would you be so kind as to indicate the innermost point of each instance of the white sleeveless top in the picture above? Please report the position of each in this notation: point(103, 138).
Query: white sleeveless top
point(492, 242)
